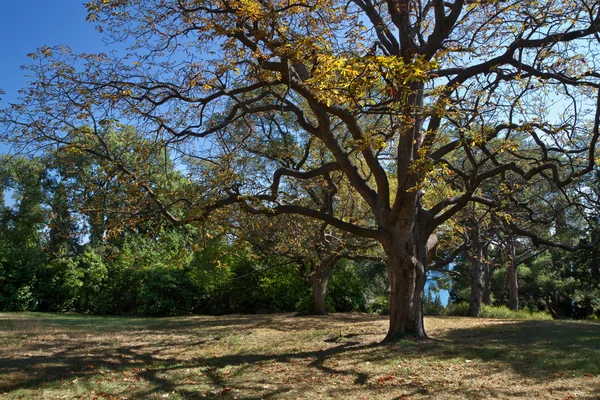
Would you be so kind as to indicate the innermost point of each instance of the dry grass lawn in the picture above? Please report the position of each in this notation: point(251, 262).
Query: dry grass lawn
point(46, 356)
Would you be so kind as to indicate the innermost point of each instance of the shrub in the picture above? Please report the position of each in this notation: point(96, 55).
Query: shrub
point(458, 309)
point(167, 292)
point(505, 312)
point(305, 305)
point(345, 289)
point(281, 288)
point(462, 310)
point(380, 306)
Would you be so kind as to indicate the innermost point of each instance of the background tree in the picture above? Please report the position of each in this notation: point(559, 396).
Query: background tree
point(22, 239)
point(388, 91)
point(315, 248)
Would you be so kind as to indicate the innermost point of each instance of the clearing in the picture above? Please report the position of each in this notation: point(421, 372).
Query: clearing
point(61, 356)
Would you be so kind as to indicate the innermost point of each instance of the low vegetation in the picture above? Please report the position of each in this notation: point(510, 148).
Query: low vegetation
point(462, 310)
point(283, 356)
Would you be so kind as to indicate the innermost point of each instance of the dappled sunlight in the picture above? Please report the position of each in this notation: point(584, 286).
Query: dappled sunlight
point(286, 356)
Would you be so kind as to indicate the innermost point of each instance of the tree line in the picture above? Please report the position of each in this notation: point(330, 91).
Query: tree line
point(58, 254)
point(65, 247)
point(404, 131)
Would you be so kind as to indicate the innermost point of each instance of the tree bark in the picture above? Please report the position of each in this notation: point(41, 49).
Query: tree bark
point(407, 283)
point(318, 282)
point(488, 271)
point(476, 281)
point(513, 284)
point(406, 271)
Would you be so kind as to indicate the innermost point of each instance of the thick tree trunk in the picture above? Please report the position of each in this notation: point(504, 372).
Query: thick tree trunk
point(406, 272)
point(476, 282)
point(513, 284)
point(406, 239)
point(407, 284)
point(318, 282)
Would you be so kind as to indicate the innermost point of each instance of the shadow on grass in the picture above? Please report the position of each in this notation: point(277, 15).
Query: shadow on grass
point(532, 349)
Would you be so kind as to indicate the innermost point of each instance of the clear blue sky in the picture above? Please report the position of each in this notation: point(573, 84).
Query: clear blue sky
point(26, 25)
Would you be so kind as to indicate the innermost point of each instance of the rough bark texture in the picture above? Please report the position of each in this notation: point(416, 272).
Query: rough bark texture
point(407, 281)
point(407, 255)
point(318, 282)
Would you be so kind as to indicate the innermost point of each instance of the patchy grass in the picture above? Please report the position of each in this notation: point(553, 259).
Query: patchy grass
point(50, 356)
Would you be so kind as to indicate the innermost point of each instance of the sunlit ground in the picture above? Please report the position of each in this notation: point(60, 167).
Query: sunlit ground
point(287, 357)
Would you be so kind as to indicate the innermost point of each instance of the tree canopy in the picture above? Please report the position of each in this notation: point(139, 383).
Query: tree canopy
point(412, 106)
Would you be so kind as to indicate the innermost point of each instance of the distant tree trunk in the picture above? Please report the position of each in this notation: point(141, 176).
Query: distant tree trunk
point(551, 307)
point(318, 282)
point(513, 284)
point(476, 281)
point(487, 284)
point(488, 271)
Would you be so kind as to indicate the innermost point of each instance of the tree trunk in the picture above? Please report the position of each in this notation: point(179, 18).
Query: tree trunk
point(550, 306)
point(476, 282)
point(318, 282)
point(488, 271)
point(406, 272)
point(407, 232)
point(406, 302)
point(513, 284)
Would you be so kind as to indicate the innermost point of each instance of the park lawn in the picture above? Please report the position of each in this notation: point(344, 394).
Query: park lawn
point(282, 356)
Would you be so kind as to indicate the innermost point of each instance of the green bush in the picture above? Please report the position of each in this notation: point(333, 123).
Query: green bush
point(506, 313)
point(167, 292)
point(462, 310)
point(58, 283)
point(305, 305)
point(94, 276)
point(457, 309)
point(380, 306)
point(432, 305)
point(345, 289)
point(281, 288)
point(121, 293)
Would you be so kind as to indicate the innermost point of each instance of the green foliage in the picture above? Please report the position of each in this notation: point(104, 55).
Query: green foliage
point(156, 269)
point(58, 282)
point(462, 310)
point(374, 278)
point(457, 309)
point(346, 290)
point(94, 280)
point(167, 292)
point(432, 305)
point(305, 305)
point(281, 288)
point(21, 252)
point(381, 305)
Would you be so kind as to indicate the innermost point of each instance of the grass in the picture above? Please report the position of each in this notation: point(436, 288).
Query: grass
point(49, 356)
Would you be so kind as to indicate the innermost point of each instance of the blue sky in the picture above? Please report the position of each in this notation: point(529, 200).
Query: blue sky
point(28, 25)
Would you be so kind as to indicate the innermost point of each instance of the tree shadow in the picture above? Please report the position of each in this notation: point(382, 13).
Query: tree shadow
point(536, 350)
point(530, 348)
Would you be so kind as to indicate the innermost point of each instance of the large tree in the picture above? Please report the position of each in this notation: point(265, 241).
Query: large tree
point(386, 91)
